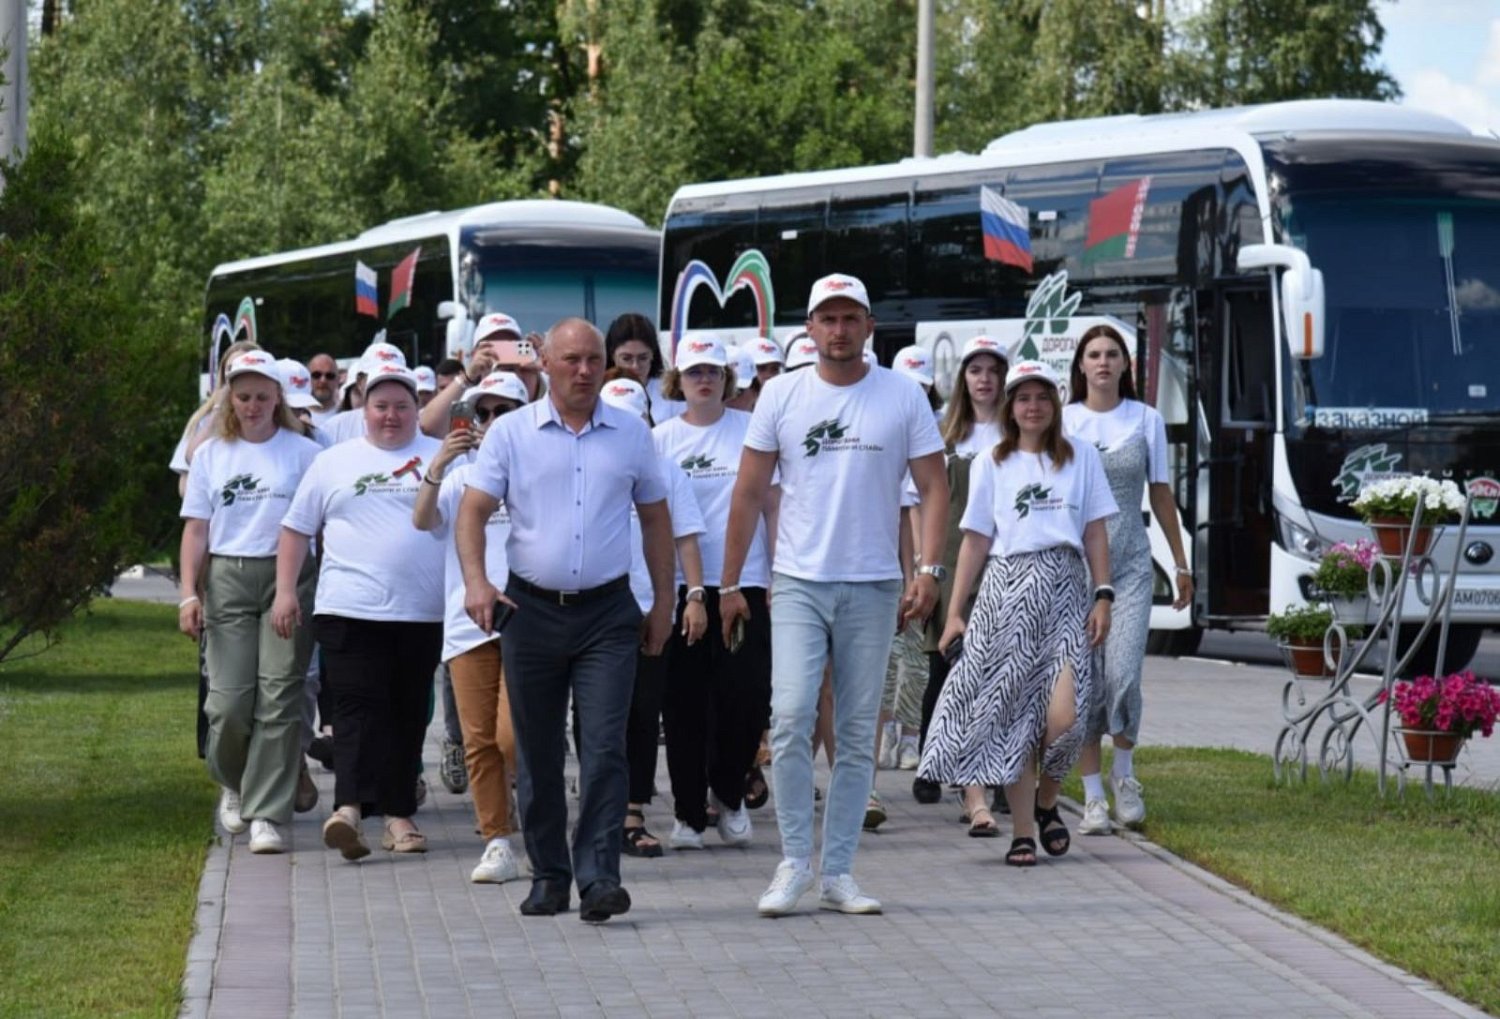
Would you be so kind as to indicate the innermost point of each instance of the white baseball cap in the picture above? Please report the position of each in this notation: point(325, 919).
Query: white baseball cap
point(982, 345)
point(1027, 371)
point(743, 363)
point(495, 323)
point(626, 394)
point(915, 363)
point(426, 379)
point(764, 351)
point(390, 373)
point(377, 354)
point(253, 362)
point(503, 384)
point(296, 384)
point(696, 350)
point(837, 285)
point(802, 352)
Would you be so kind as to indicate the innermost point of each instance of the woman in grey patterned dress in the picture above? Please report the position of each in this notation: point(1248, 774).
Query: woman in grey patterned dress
point(1132, 443)
point(1019, 691)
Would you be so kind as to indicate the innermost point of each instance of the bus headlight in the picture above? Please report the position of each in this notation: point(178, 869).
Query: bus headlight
point(1298, 540)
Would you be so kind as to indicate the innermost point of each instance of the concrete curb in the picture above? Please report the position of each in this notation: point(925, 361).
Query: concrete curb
point(208, 925)
point(1410, 981)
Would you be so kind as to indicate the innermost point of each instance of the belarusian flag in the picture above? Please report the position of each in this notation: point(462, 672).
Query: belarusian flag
point(401, 278)
point(1115, 222)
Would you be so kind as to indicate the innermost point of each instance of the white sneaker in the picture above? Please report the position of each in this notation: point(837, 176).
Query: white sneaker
point(229, 812)
point(734, 825)
point(1130, 808)
point(910, 756)
point(842, 895)
point(265, 837)
point(1095, 818)
point(788, 884)
point(890, 746)
point(684, 837)
point(498, 864)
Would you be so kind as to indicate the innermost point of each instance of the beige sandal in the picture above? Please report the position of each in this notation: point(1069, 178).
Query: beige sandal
point(341, 832)
point(408, 841)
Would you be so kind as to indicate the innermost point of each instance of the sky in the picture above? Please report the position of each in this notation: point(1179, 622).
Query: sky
point(1445, 54)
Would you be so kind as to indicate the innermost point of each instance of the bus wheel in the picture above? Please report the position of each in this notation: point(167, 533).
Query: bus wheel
point(1174, 643)
point(1463, 645)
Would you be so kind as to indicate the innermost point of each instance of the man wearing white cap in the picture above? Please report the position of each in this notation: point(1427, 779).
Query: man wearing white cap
point(843, 435)
point(569, 467)
point(499, 343)
point(426, 384)
point(766, 354)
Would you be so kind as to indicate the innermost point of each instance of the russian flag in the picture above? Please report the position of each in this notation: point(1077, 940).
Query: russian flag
point(366, 298)
point(1007, 229)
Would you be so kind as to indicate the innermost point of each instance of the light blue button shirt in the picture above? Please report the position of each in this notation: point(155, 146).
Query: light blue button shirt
point(569, 494)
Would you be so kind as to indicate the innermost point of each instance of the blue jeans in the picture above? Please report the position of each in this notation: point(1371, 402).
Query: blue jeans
point(855, 622)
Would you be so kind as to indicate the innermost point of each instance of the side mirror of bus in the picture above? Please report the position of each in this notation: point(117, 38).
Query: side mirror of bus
point(447, 310)
point(1302, 311)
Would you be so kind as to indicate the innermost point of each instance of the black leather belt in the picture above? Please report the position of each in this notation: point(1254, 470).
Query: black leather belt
point(565, 598)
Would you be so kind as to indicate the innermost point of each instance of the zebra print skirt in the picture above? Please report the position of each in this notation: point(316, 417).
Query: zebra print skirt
point(1027, 623)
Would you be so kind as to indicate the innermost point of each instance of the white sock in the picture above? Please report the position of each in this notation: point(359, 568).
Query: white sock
point(1123, 767)
point(800, 862)
point(1093, 787)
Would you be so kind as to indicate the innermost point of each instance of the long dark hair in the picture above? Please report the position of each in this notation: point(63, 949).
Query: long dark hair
point(633, 326)
point(1078, 385)
point(958, 419)
point(1054, 443)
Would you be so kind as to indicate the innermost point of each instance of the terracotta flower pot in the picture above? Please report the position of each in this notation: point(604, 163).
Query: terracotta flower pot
point(1390, 534)
point(1306, 660)
point(1431, 747)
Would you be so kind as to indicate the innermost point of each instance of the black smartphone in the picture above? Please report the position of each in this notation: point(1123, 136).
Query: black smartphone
point(952, 651)
point(500, 615)
point(737, 635)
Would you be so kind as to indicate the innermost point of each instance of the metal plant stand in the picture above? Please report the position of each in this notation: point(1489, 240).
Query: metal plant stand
point(1304, 706)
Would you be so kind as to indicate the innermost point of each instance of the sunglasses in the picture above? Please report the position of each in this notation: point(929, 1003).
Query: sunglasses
point(325, 375)
point(483, 414)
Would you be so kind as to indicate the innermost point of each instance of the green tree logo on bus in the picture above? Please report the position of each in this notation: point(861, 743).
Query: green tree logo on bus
point(1048, 311)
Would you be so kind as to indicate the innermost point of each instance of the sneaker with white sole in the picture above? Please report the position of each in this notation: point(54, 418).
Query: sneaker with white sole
point(265, 837)
point(890, 746)
point(734, 826)
point(451, 767)
point(229, 812)
point(1130, 807)
point(788, 884)
point(842, 895)
point(1095, 818)
point(498, 864)
point(910, 756)
point(341, 832)
point(684, 836)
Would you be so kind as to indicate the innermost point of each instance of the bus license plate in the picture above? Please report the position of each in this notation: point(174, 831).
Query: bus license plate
point(1477, 597)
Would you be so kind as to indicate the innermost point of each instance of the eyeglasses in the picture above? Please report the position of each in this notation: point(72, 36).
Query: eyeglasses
point(324, 375)
point(483, 414)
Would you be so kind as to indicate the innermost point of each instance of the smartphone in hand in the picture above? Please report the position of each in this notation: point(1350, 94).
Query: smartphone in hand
point(500, 615)
point(952, 651)
point(737, 635)
point(461, 414)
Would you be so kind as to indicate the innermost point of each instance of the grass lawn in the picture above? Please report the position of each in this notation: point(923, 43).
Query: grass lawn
point(105, 817)
point(1417, 884)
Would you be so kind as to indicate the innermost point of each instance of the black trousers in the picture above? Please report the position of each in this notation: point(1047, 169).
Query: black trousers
point(643, 730)
point(379, 674)
point(715, 706)
point(937, 675)
point(587, 650)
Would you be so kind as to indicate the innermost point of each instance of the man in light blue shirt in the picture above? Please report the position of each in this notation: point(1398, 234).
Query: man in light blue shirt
point(569, 468)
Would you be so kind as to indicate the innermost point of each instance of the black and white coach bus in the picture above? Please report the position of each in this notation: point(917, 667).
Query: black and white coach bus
point(1312, 288)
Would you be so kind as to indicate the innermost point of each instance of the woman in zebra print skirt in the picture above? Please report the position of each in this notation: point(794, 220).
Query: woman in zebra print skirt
point(1019, 689)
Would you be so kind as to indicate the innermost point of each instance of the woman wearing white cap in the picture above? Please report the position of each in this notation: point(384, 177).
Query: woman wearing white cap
point(1132, 441)
point(1020, 688)
point(350, 424)
point(717, 698)
point(746, 385)
point(473, 656)
point(643, 730)
point(240, 485)
point(632, 343)
point(378, 610)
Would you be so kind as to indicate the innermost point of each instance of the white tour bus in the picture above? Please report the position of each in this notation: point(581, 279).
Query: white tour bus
point(1312, 289)
point(536, 260)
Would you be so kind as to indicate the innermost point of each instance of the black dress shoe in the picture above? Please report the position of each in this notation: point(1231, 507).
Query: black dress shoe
point(925, 791)
point(321, 750)
point(547, 898)
point(603, 900)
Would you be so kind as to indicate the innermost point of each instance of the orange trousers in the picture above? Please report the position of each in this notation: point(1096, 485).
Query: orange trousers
point(489, 739)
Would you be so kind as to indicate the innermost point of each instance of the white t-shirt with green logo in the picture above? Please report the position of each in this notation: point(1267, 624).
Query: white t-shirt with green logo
point(711, 459)
point(460, 633)
point(1024, 505)
point(843, 452)
point(243, 489)
point(1111, 429)
point(376, 565)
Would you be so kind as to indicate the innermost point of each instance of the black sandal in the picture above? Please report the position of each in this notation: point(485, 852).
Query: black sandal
point(986, 829)
point(632, 846)
point(1055, 840)
point(1022, 853)
point(756, 789)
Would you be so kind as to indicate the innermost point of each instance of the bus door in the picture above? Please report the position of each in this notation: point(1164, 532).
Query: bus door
point(1237, 393)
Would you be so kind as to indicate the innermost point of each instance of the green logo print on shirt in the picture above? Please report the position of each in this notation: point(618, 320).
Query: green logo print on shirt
point(823, 431)
point(1027, 496)
point(700, 462)
point(362, 485)
point(240, 484)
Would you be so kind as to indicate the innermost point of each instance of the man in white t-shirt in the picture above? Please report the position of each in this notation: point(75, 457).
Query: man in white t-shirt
point(843, 434)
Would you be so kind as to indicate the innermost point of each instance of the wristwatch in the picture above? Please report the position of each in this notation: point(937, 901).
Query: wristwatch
point(936, 571)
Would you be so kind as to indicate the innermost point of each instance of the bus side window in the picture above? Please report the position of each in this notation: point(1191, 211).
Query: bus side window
point(1249, 358)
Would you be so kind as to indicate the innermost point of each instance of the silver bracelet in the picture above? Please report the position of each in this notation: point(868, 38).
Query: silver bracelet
point(731, 589)
point(187, 601)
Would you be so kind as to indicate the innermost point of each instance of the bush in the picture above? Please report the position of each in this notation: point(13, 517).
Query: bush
point(93, 391)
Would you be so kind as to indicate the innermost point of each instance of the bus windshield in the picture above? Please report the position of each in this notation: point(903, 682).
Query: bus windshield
point(1413, 307)
point(539, 283)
